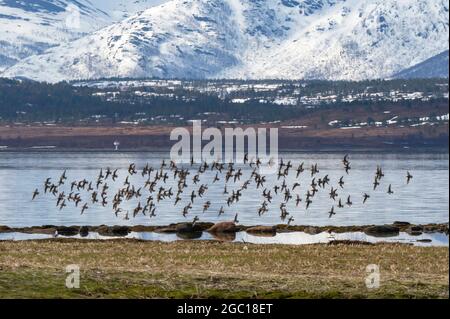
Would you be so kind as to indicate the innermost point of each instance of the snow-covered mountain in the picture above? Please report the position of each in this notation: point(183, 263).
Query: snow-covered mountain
point(30, 27)
point(321, 39)
point(435, 67)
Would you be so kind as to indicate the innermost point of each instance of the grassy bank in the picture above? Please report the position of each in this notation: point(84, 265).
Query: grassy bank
point(134, 269)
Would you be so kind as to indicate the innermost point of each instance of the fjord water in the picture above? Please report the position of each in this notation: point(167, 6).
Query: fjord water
point(424, 200)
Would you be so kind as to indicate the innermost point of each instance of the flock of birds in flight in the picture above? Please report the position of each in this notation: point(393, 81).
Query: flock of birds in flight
point(157, 184)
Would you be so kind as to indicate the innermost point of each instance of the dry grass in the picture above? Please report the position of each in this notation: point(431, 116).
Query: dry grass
point(125, 268)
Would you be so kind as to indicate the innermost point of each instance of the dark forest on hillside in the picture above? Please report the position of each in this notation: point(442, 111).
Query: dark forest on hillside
point(30, 102)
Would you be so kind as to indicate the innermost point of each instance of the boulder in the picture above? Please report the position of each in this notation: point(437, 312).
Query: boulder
point(224, 227)
point(226, 237)
point(185, 228)
point(272, 230)
point(311, 230)
point(401, 224)
point(114, 231)
point(5, 229)
point(190, 236)
point(429, 229)
point(172, 229)
point(415, 230)
point(44, 230)
point(436, 228)
point(202, 226)
point(68, 231)
point(382, 231)
point(143, 229)
point(84, 231)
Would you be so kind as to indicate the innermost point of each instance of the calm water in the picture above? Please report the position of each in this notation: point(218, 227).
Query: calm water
point(425, 200)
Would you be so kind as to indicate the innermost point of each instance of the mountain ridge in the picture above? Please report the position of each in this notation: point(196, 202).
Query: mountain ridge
point(434, 67)
point(31, 27)
point(292, 39)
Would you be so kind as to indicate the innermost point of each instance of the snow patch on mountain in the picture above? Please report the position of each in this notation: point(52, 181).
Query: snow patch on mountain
point(289, 39)
point(31, 27)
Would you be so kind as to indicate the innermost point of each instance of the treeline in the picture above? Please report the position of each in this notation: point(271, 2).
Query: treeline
point(28, 102)
point(308, 87)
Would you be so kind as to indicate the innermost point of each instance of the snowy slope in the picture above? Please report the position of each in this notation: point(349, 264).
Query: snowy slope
point(325, 39)
point(29, 27)
point(435, 67)
point(354, 40)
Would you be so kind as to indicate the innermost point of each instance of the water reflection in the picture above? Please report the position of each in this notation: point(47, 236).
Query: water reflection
point(292, 238)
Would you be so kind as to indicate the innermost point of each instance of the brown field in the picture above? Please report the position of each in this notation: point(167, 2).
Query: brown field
point(158, 137)
point(317, 134)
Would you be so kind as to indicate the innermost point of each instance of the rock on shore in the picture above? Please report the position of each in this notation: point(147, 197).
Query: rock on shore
point(224, 227)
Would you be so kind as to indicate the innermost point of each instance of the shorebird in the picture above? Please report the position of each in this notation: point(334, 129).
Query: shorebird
point(347, 168)
point(333, 193)
point(376, 183)
point(206, 206)
point(260, 180)
point(345, 160)
point(35, 193)
point(349, 202)
point(379, 173)
point(290, 220)
point(115, 175)
point(341, 182)
point(331, 212)
point(137, 210)
point(300, 170)
point(132, 169)
point(314, 170)
point(84, 208)
point(108, 173)
point(308, 203)
point(276, 188)
point(186, 210)
point(366, 197)
point(118, 211)
point(298, 200)
point(63, 204)
point(193, 196)
point(409, 177)
point(62, 179)
point(326, 180)
point(195, 220)
point(390, 191)
point(155, 186)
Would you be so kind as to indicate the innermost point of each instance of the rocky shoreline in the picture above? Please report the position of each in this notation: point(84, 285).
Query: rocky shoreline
point(189, 229)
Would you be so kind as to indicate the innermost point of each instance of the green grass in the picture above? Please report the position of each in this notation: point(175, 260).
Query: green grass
point(135, 269)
